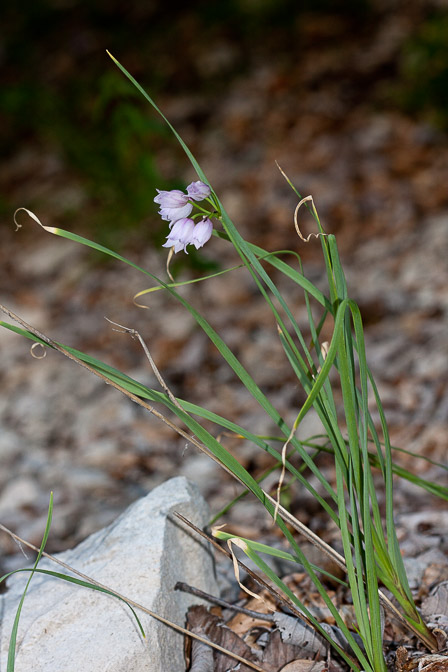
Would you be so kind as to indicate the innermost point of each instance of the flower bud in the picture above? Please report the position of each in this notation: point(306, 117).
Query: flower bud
point(198, 190)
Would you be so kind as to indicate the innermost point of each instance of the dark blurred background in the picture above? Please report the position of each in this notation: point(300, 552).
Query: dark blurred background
point(74, 131)
point(351, 98)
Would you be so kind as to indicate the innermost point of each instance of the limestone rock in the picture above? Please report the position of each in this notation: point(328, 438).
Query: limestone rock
point(141, 555)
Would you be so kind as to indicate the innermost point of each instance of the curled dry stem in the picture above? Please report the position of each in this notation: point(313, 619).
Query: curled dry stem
point(168, 263)
point(236, 568)
point(303, 200)
point(283, 472)
point(296, 212)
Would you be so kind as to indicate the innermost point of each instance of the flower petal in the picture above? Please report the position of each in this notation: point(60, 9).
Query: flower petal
point(173, 214)
point(171, 199)
point(198, 190)
point(202, 233)
point(180, 235)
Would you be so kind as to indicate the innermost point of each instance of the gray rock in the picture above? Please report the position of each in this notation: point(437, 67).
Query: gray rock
point(141, 555)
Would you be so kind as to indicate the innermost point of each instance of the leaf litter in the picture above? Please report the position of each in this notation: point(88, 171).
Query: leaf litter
point(280, 642)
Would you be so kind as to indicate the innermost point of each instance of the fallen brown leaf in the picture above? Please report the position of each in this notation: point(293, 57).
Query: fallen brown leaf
point(433, 663)
point(302, 665)
point(241, 623)
point(437, 601)
point(201, 657)
point(434, 574)
point(278, 653)
point(201, 621)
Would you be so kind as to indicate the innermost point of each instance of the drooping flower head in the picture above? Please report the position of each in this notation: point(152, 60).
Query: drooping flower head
point(202, 233)
point(180, 235)
point(174, 205)
point(198, 190)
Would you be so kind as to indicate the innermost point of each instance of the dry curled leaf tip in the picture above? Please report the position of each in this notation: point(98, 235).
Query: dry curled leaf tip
point(37, 355)
point(296, 212)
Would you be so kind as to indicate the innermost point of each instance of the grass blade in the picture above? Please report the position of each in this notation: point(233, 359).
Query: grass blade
point(78, 582)
point(13, 639)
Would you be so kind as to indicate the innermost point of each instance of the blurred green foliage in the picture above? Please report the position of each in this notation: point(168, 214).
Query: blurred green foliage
point(63, 94)
point(423, 87)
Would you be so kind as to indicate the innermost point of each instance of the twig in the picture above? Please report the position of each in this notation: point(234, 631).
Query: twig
point(184, 587)
point(158, 375)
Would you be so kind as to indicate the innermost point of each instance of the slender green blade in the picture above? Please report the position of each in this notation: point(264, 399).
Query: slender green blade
point(78, 582)
point(293, 597)
point(275, 553)
point(13, 639)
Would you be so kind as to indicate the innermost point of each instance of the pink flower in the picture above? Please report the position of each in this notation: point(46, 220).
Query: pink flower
point(180, 235)
point(174, 205)
point(201, 233)
point(198, 190)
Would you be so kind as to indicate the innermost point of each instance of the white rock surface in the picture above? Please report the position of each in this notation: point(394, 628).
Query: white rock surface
point(65, 627)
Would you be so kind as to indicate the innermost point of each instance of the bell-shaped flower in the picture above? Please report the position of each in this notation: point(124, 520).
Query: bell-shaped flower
point(198, 190)
point(201, 233)
point(174, 205)
point(180, 235)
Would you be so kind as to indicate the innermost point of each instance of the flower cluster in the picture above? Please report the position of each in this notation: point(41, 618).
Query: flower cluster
point(175, 208)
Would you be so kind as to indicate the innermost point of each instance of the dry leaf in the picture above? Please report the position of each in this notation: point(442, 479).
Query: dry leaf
point(297, 632)
point(402, 661)
point(302, 665)
point(435, 612)
point(201, 657)
point(277, 652)
point(437, 602)
point(426, 663)
point(433, 663)
point(434, 574)
point(242, 623)
point(202, 622)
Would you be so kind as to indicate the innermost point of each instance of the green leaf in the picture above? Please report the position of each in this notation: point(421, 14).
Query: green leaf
point(79, 582)
point(275, 552)
point(13, 639)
